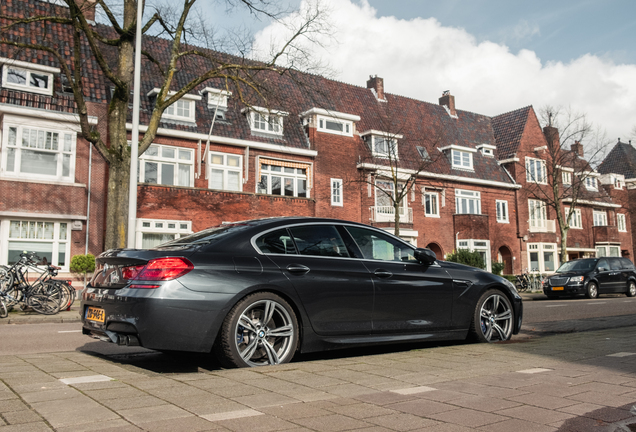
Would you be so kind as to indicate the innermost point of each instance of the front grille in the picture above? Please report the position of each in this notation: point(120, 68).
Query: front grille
point(558, 281)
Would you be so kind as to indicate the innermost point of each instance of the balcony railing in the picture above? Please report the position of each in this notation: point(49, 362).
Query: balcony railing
point(543, 226)
point(387, 214)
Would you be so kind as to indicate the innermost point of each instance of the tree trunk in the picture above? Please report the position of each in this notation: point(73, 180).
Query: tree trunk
point(117, 204)
point(396, 207)
point(563, 256)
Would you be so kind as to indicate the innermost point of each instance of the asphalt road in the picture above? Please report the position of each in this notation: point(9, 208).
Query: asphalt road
point(43, 338)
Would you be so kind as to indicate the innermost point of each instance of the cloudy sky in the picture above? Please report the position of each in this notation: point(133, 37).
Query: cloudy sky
point(493, 55)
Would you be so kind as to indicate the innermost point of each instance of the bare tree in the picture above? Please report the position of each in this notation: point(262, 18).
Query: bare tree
point(395, 159)
point(566, 174)
point(177, 64)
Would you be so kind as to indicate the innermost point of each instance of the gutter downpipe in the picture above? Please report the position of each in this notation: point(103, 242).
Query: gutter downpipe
point(88, 201)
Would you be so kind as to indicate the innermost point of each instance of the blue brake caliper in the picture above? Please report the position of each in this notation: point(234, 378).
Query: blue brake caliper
point(239, 335)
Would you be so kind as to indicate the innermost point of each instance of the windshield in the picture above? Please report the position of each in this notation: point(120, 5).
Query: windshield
point(577, 266)
point(206, 236)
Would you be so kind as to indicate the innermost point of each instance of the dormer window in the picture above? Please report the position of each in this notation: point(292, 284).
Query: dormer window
point(423, 153)
point(217, 100)
point(591, 183)
point(181, 110)
point(487, 149)
point(567, 177)
point(382, 144)
point(330, 121)
point(617, 182)
point(28, 77)
point(461, 157)
point(265, 121)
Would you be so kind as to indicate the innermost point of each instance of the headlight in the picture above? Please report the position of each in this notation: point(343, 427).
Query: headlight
point(577, 279)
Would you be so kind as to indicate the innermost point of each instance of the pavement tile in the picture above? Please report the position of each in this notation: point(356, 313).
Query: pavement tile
point(582, 424)
point(335, 422)
point(262, 423)
point(67, 412)
point(12, 405)
point(385, 398)
point(597, 387)
point(517, 425)
point(348, 390)
point(18, 417)
point(556, 390)
point(27, 427)
point(543, 401)
point(190, 424)
point(468, 417)
point(446, 427)
point(207, 409)
point(142, 415)
point(534, 414)
point(441, 395)
point(609, 414)
point(421, 407)
point(112, 393)
point(117, 404)
point(361, 410)
point(264, 400)
point(402, 422)
point(602, 399)
point(484, 403)
point(295, 411)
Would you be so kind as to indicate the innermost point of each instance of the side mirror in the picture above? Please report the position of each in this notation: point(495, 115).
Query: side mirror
point(601, 269)
point(425, 256)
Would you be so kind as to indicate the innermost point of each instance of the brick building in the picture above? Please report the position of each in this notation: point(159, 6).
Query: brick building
point(319, 148)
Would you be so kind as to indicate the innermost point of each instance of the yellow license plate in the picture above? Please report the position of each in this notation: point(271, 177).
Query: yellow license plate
point(95, 314)
point(557, 288)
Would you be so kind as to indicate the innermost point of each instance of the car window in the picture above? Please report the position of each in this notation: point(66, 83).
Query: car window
point(627, 264)
point(602, 263)
point(319, 240)
point(577, 265)
point(375, 245)
point(276, 242)
point(615, 264)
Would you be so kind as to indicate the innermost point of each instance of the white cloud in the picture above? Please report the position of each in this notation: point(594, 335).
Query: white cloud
point(420, 58)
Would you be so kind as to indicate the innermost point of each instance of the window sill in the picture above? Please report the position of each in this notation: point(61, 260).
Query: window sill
point(40, 181)
point(503, 221)
point(432, 216)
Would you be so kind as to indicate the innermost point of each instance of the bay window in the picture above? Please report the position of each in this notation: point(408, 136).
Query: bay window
point(467, 202)
point(283, 178)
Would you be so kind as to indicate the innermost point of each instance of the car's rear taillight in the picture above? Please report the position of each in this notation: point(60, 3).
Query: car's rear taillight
point(160, 269)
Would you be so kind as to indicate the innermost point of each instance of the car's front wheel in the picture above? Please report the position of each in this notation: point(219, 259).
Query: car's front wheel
point(260, 330)
point(592, 290)
point(493, 319)
point(631, 289)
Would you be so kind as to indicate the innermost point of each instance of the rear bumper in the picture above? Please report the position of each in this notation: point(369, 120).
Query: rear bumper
point(155, 319)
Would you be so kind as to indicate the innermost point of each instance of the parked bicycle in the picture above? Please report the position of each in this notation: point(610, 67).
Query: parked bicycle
point(529, 281)
point(43, 294)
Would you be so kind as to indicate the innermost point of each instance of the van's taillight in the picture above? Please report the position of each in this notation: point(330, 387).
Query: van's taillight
point(159, 269)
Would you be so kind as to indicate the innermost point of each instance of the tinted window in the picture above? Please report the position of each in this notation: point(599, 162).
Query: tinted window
point(615, 264)
point(276, 242)
point(577, 265)
point(603, 263)
point(320, 240)
point(209, 235)
point(375, 245)
point(627, 264)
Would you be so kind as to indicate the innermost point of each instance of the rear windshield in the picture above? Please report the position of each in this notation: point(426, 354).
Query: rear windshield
point(577, 265)
point(206, 236)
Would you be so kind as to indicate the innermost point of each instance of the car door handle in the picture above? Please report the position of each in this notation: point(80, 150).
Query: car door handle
point(383, 274)
point(297, 268)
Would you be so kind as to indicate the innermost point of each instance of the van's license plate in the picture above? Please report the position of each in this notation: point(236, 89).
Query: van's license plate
point(95, 314)
point(557, 288)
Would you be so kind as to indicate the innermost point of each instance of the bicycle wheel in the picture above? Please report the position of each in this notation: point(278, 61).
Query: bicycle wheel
point(4, 312)
point(68, 294)
point(6, 279)
point(46, 299)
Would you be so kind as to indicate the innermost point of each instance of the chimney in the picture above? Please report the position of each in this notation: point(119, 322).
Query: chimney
point(448, 100)
point(377, 85)
point(88, 9)
point(552, 136)
point(577, 147)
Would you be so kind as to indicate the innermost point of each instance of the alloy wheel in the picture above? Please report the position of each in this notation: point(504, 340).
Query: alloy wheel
point(496, 318)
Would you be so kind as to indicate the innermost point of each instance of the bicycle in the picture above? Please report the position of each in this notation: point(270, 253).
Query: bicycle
point(4, 312)
point(44, 295)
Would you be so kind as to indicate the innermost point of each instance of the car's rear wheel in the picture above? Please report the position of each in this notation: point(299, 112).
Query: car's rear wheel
point(592, 290)
point(493, 319)
point(631, 289)
point(260, 330)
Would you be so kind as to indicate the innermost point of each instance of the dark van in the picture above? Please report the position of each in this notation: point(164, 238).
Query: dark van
point(592, 276)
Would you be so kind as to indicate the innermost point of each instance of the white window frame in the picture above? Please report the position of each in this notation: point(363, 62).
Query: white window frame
point(172, 112)
point(161, 160)
point(385, 213)
point(48, 90)
point(66, 142)
point(296, 175)
point(536, 171)
point(599, 217)
point(608, 250)
point(433, 198)
point(462, 159)
point(537, 214)
point(389, 149)
point(591, 183)
point(323, 121)
point(161, 226)
point(502, 211)
point(57, 244)
point(566, 178)
point(265, 121)
point(226, 169)
point(541, 249)
point(576, 221)
point(477, 245)
point(621, 222)
point(337, 198)
point(217, 97)
point(467, 195)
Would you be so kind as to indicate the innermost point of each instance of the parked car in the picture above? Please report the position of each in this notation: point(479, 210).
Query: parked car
point(591, 277)
point(256, 292)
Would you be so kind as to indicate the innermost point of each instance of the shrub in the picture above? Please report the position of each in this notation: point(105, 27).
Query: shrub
point(464, 256)
point(82, 265)
point(497, 267)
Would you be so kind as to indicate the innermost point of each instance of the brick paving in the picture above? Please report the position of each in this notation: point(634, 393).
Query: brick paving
point(560, 382)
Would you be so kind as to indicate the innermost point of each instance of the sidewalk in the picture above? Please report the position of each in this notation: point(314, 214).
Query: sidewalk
point(574, 382)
